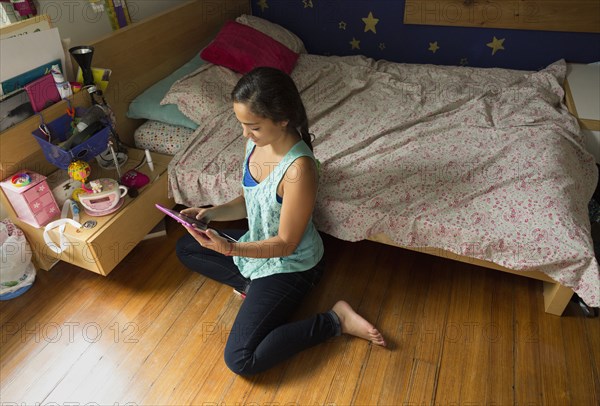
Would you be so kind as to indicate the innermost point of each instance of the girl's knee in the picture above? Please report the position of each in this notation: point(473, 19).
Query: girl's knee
point(238, 357)
point(237, 364)
point(182, 248)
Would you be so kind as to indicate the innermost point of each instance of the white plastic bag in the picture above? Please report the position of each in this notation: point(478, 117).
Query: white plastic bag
point(17, 272)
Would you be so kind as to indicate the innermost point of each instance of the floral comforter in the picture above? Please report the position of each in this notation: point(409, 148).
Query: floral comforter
point(486, 163)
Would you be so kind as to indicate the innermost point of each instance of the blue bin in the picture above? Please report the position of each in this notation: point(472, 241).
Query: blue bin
point(61, 129)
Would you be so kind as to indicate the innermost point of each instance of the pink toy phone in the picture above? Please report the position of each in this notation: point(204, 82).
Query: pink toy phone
point(191, 222)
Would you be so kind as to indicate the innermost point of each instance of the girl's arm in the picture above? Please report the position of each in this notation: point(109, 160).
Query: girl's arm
point(233, 210)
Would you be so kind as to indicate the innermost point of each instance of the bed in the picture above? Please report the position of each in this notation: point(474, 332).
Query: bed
point(479, 165)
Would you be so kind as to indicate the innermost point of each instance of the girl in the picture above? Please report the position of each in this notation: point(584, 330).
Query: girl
point(276, 262)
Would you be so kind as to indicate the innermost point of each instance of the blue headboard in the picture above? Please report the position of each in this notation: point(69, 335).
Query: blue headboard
point(375, 28)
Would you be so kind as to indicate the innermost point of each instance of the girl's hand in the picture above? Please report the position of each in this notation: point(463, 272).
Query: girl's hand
point(212, 240)
point(199, 213)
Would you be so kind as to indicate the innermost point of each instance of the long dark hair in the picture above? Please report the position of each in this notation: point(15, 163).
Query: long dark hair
point(271, 93)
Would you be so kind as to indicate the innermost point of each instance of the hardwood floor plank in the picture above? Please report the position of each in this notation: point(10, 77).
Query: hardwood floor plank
point(28, 324)
point(373, 374)
point(260, 389)
point(592, 335)
point(410, 330)
point(118, 388)
point(171, 344)
point(377, 288)
point(476, 322)
point(553, 374)
point(433, 320)
point(500, 334)
point(51, 324)
point(456, 349)
point(421, 386)
point(122, 328)
point(434, 317)
point(79, 325)
point(582, 382)
point(190, 364)
point(219, 379)
point(527, 384)
point(32, 336)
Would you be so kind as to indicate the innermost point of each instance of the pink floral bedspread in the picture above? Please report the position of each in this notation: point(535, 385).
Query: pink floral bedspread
point(486, 163)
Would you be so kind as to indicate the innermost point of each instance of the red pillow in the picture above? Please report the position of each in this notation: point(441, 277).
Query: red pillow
point(242, 48)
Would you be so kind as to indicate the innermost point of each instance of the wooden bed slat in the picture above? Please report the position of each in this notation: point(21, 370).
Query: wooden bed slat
point(545, 15)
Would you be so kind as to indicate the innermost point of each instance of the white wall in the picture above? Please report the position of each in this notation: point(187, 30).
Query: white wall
point(77, 20)
point(140, 9)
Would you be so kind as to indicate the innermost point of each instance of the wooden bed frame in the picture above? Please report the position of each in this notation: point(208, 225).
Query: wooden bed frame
point(145, 52)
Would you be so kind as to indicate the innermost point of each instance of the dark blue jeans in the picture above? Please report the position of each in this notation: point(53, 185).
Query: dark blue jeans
point(262, 335)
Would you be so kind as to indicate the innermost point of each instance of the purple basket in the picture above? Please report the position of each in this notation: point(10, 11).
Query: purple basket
point(61, 129)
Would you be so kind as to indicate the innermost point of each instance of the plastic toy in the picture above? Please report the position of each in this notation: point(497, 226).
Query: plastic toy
point(79, 170)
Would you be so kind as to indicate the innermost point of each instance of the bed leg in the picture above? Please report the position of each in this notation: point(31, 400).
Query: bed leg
point(556, 298)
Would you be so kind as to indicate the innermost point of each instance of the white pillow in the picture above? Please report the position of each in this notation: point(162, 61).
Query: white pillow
point(275, 31)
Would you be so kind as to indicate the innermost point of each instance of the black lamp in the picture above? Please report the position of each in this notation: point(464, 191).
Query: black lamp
point(83, 56)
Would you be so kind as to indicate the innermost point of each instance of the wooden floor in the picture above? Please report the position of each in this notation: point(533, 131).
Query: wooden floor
point(153, 333)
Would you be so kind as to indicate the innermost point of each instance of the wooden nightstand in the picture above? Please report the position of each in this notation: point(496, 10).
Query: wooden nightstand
point(582, 94)
point(101, 248)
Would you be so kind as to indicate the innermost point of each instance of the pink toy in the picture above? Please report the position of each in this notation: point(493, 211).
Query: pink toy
point(134, 179)
point(107, 200)
point(32, 201)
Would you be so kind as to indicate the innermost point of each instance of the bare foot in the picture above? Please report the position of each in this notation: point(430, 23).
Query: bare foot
point(354, 324)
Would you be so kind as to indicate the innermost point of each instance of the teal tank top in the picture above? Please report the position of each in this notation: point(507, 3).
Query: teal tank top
point(264, 212)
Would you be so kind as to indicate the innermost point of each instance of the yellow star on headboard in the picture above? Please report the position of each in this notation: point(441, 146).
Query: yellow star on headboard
point(342, 25)
point(370, 22)
point(262, 4)
point(496, 44)
point(307, 3)
point(433, 46)
point(355, 43)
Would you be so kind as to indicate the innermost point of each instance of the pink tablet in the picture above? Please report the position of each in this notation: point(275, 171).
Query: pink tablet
point(183, 219)
point(190, 221)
